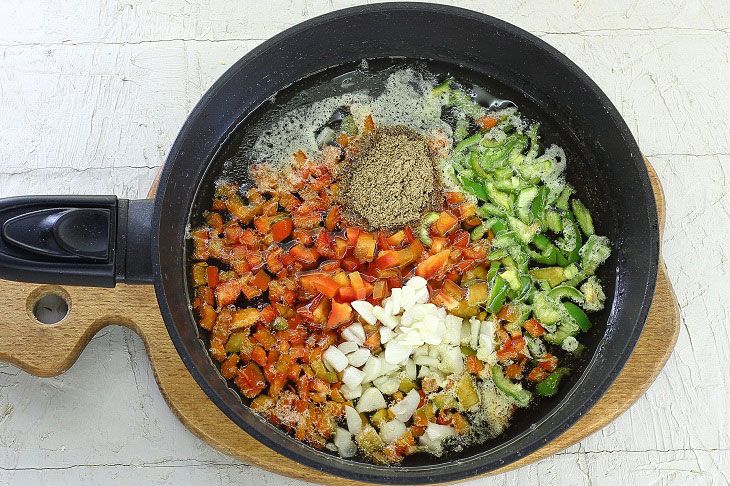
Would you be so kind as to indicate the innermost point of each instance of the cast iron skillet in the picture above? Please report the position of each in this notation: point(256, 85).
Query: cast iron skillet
point(101, 240)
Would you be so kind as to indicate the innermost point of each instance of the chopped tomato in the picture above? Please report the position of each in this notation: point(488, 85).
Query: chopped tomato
point(340, 248)
point(513, 371)
point(396, 238)
point(454, 197)
point(380, 289)
point(438, 243)
point(537, 374)
point(282, 229)
point(350, 263)
point(368, 125)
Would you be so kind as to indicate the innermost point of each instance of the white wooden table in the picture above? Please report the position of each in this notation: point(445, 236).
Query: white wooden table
point(93, 92)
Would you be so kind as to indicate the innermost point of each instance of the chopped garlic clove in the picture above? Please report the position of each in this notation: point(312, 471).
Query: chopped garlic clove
point(359, 357)
point(386, 334)
point(395, 300)
point(348, 347)
point(351, 393)
point(352, 377)
point(392, 431)
point(397, 353)
point(371, 400)
point(365, 309)
point(372, 369)
point(335, 359)
point(354, 421)
point(416, 283)
point(354, 335)
point(404, 409)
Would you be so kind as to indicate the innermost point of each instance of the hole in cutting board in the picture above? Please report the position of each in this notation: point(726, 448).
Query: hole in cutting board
point(48, 304)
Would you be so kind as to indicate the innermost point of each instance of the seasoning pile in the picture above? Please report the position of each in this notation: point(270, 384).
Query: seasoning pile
point(391, 181)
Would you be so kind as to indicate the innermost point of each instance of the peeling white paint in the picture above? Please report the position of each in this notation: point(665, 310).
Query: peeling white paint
point(92, 94)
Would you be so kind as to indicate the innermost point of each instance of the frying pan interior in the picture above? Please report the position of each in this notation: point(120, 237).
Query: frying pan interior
point(604, 165)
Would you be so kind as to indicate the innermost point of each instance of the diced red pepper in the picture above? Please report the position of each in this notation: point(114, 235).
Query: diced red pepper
point(305, 255)
point(358, 285)
point(350, 263)
point(326, 286)
point(324, 244)
point(340, 313)
point(250, 380)
point(365, 247)
point(346, 294)
point(212, 274)
point(445, 223)
point(454, 197)
point(265, 338)
point(473, 365)
point(330, 222)
point(352, 234)
point(227, 292)
point(433, 265)
point(282, 229)
point(261, 280)
point(534, 327)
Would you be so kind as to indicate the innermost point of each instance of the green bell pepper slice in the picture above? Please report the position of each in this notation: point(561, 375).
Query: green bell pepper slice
point(549, 386)
point(578, 315)
point(497, 294)
point(509, 388)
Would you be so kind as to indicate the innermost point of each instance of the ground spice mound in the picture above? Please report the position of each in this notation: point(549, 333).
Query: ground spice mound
point(391, 181)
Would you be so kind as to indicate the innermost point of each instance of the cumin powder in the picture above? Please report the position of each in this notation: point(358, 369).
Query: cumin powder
point(391, 181)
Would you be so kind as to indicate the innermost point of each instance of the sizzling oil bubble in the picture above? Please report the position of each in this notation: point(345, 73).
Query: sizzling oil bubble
point(403, 98)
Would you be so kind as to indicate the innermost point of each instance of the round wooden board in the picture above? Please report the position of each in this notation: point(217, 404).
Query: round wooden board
point(136, 307)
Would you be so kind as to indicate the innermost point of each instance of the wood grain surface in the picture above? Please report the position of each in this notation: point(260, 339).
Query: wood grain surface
point(136, 307)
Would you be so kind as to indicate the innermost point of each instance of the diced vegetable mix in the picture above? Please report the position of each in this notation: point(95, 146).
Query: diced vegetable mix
point(387, 343)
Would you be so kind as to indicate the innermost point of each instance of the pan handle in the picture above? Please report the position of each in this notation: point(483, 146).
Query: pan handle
point(91, 241)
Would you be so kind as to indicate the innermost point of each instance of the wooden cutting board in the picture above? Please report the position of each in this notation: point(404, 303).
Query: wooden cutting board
point(91, 309)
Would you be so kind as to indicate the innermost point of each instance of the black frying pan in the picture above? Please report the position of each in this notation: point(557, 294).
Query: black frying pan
point(101, 240)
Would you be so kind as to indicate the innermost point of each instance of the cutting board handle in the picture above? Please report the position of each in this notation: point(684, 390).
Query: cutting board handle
point(50, 349)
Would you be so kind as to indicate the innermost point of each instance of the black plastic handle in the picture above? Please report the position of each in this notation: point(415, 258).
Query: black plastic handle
point(94, 241)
